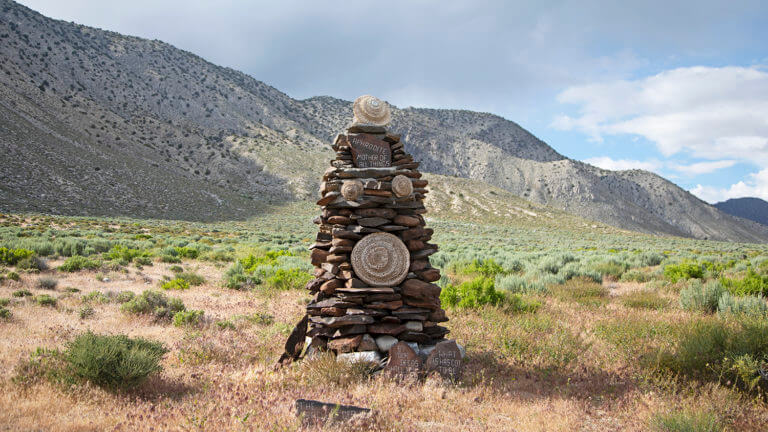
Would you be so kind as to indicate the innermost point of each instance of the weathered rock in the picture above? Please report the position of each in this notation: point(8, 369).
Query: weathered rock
point(367, 343)
point(415, 326)
point(377, 212)
point(345, 344)
point(360, 357)
point(330, 286)
point(445, 359)
point(386, 328)
point(346, 320)
point(318, 256)
point(403, 362)
point(429, 275)
point(320, 413)
point(409, 221)
point(380, 259)
point(385, 342)
point(419, 289)
point(372, 221)
point(349, 330)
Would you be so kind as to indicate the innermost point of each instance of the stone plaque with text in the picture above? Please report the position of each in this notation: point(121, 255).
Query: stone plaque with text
point(445, 359)
point(369, 151)
point(403, 361)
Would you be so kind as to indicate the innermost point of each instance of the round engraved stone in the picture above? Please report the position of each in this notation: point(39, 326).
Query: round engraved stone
point(381, 259)
point(402, 186)
point(370, 111)
point(352, 189)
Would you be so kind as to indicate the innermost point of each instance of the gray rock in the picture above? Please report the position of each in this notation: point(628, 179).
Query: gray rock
point(385, 342)
point(416, 326)
point(361, 356)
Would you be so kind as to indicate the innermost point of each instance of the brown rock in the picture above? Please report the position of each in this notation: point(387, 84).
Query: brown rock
point(391, 305)
point(445, 359)
point(342, 242)
point(416, 288)
point(438, 316)
point(330, 286)
point(339, 220)
point(330, 268)
point(429, 275)
point(409, 221)
point(342, 321)
point(412, 234)
point(345, 344)
point(335, 258)
point(413, 245)
point(318, 256)
point(332, 311)
point(355, 283)
point(314, 285)
point(367, 343)
point(403, 362)
point(345, 234)
point(377, 212)
point(349, 330)
point(418, 265)
point(328, 198)
point(386, 328)
point(372, 221)
point(340, 249)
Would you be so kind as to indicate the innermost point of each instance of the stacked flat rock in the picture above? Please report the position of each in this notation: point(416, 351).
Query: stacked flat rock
point(373, 285)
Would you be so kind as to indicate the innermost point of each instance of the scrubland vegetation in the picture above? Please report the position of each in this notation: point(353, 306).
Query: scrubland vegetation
point(117, 323)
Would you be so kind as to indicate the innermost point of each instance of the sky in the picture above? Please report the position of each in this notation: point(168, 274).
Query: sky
point(679, 88)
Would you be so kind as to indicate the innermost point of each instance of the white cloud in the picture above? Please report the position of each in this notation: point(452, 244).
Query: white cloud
point(706, 112)
point(699, 168)
point(756, 185)
point(657, 166)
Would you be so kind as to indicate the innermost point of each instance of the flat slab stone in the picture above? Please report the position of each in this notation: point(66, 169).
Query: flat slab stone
point(370, 290)
point(445, 359)
point(316, 412)
point(403, 361)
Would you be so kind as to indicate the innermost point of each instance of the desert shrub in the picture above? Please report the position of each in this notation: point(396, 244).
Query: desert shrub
point(113, 361)
point(86, 311)
point(32, 263)
point(175, 284)
point(13, 256)
point(5, 313)
point(686, 421)
point(171, 259)
point(702, 297)
point(225, 325)
point(323, 369)
point(748, 305)
point(684, 270)
point(645, 299)
point(611, 269)
point(636, 276)
point(517, 303)
point(583, 291)
point(186, 252)
point(77, 263)
point(484, 267)
point(4, 302)
point(187, 318)
point(69, 247)
point(284, 279)
point(553, 264)
point(258, 318)
point(721, 350)
point(575, 269)
point(252, 262)
point(751, 284)
point(13, 276)
point(153, 303)
point(47, 282)
point(22, 293)
point(648, 259)
point(176, 269)
point(125, 254)
point(72, 290)
point(218, 255)
point(122, 296)
point(236, 278)
point(193, 279)
point(142, 261)
point(95, 296)
point(472, 294)
point(46, 300)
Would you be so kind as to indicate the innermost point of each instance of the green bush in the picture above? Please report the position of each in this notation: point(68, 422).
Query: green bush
point(77, 263)
point(126, 254)
point(684, 270)
point(193, 279)
point(187, 318)
point(236, 278)
point(153, 303)
point(47, 282)
point(473, 294)
point(13, 276)
point(701, 297)
point(175, 284)
point(518, 284)
point(612, 269)
point(113, 361)
point(721, 350)
point(751, 284)
point(645, 299)
point(4, 302)
point(686, 421)
point(749, 305)
point(284, 279)
point(636, 276)
point(86, 311)
point(176, 269)
point(13, 256)
point(187, 252)
point(46, 300)
point(32, 263)
point(22, 293)
point(5, 313)
point(95, 296)
point(484, 267)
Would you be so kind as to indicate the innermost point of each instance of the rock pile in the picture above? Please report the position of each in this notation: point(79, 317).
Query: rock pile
point(373, 281)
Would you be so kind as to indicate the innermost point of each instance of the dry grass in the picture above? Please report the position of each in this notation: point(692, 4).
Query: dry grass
point(573, 365)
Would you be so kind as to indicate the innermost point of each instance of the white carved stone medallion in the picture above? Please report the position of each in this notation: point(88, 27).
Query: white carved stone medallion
point(381, 259)
point(402, 186)
point(370, 110)
point(352, 189)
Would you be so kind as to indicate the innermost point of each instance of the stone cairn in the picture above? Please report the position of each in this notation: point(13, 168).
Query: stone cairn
point(373, 285)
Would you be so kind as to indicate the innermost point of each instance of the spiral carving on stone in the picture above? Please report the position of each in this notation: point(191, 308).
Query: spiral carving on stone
point(370, 110)
point(402, 186)
point(352, 189)
point(381, 259)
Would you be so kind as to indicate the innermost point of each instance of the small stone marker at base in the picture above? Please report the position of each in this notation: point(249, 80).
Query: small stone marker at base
point(445, 359)
point(311, 411)
point(403, 362)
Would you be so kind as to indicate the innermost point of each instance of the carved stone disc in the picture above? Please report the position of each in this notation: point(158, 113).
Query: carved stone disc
point(352, 189)
point(381, 259)
point(370, 110)
point(402, 186)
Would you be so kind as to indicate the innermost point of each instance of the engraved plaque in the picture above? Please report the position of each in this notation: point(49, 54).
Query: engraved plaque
point(403, 361)
point(445, 359)
point(369, 151)
point(381, 259)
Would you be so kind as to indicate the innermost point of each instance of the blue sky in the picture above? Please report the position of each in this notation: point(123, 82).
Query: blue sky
point(676, 87)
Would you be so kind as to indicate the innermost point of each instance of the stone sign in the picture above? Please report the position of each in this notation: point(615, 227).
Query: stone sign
point(445, 359)
point(369, 151)
point(381, 260)
point(311, 411)
point(403, 361)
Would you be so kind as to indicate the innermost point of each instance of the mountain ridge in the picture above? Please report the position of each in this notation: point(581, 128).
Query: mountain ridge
point(86, 112)
point(751, 208)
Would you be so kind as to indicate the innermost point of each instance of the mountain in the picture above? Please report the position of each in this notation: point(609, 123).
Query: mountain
point(93, 122)
point(753, 209)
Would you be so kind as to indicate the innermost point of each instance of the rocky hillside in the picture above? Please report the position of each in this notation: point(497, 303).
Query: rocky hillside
point(753, 209)
point(94, 122)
